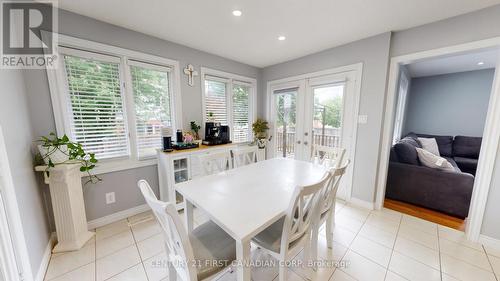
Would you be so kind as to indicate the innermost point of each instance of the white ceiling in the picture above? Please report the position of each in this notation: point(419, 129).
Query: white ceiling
point(309, 25)
point(453, 64)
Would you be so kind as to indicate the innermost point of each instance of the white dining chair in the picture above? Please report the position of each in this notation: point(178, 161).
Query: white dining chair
point(285, 238)
point(244, 155)
point(326, 155)
point(326, 209)
point(190, 257)
point(216, 162)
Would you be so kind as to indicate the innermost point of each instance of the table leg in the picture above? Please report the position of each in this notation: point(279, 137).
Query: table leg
point(243, 257)
point(188, 216)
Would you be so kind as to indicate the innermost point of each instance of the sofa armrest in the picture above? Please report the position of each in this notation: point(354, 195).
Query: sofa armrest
point(448, 192)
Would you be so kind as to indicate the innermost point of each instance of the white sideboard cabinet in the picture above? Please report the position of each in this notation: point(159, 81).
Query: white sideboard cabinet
point(182, 165)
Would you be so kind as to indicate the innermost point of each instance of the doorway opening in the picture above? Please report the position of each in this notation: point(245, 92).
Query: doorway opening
point(442, 105)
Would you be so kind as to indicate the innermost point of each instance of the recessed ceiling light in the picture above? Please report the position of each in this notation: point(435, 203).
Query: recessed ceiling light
point(237, 13)
point(480, 63)
point(281, 38)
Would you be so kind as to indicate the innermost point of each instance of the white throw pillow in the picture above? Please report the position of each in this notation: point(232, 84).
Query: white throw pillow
point(431, 160)
point(430, 145)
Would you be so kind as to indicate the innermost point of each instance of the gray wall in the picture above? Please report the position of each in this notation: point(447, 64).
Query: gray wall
point(18, 133)
point(124, 183)
point(373, 52)
point(450, 104)
point(474, 26)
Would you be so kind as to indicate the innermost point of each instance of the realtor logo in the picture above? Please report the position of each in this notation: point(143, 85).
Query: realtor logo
point(28, 35)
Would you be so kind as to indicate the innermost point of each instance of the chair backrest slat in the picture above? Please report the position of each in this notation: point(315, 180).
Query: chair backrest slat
point(327, 156)
point(216, 162)
point(176, 241)
point(329, 192)
point(301, 211)
point(245, 155)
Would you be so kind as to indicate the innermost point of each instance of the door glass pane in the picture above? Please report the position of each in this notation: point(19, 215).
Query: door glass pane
point(285, 122)
point(327, 116)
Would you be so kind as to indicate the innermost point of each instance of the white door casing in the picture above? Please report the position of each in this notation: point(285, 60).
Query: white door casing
point(14, 257)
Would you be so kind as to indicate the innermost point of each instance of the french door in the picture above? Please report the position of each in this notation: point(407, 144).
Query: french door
point(314, 111)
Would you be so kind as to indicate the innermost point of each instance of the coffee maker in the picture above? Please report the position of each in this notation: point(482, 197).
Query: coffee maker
point(216, 134)
point(166, 133)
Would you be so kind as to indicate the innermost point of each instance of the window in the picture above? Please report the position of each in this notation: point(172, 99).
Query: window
point(401, 106)
point(114, 101)
point(229, 99)
point(96, 105)
point(241, 113)
point(150, 86)
point(216, 101)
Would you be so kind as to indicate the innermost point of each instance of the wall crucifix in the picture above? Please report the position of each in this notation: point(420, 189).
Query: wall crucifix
point(190, 72)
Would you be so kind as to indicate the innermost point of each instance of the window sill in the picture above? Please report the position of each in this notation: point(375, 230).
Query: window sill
point(122, 165)
point(110, 167)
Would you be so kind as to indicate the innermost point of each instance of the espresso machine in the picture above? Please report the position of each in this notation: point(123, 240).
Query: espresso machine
point(166, 133)
point(216, 134)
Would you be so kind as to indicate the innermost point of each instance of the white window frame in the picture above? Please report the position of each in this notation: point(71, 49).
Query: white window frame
point(230, 79)
point(403, 90)
point(59, 93)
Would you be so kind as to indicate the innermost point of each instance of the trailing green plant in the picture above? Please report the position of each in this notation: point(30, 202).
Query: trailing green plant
point(75, 152)
point(259, 128)
point(195, 128)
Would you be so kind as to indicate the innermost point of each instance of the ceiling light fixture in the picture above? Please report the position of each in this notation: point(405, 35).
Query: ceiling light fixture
point(480, 63)
point(281, 38)
point(237, 13)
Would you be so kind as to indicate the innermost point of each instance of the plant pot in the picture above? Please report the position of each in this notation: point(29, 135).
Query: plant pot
point(261, 143)
point(57, 155)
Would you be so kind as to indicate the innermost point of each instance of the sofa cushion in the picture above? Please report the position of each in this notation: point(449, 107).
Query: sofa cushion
point(430, 145)
point(393, 156)
point(467, 147)
point(413, 139)
point(454, 164)
point(445, 144)
point(467, 165)
point(431, 160)
point(406, 153)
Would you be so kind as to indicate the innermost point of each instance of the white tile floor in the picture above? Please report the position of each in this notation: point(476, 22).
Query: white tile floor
point(375, 245)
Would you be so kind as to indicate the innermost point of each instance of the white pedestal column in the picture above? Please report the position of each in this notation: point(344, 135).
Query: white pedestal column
point(65, 185)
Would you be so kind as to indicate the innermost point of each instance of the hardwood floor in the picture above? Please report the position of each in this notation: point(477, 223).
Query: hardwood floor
point(425, 214)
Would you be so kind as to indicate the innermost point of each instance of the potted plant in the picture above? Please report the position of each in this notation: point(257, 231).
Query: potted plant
point(59, 151)
point(211, 117)
point(195, 128)
point(260, 127)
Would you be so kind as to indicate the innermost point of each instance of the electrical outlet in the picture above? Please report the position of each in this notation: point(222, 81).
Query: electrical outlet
point(110, 198)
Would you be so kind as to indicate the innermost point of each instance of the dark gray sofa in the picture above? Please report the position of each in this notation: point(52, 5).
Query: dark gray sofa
point(443, 191)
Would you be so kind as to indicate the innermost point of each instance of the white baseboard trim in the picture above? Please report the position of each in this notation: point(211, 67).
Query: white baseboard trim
point(362, 203)
point(489, 242)
point(40, 275)
point(117, 216)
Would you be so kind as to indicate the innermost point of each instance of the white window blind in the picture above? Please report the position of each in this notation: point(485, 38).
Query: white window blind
point(96, 106)
point(216, 101)
point(151, 91)
point(241, 113)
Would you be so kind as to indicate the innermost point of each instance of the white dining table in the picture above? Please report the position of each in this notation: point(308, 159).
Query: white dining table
point(246, 200)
